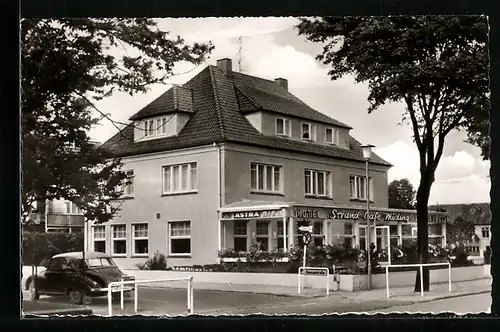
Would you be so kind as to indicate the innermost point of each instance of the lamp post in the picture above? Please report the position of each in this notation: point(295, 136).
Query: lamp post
point(367, 154)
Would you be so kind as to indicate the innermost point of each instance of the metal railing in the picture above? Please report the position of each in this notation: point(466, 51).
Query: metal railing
point(117, 286)
point(315, 269)
point(421, 266)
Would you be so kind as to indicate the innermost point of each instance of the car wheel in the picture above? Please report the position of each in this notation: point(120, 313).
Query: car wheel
point(76, 296)
point(34, 294)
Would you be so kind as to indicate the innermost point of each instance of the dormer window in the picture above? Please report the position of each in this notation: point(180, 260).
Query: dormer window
point(283, 127)
point(309, 132)
point(148, 128)
point(161, 126)
point(332, 136)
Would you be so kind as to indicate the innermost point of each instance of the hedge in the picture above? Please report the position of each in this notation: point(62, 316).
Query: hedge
point(46, 245)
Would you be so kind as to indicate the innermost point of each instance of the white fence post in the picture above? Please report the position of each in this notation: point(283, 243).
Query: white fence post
point(136, 288)
point(449, 277)
point(420, 266)
point(387, 280)
point(136, 296)
point(110, 303)
point(121, 294)
point(421, 280)
point(327, 275)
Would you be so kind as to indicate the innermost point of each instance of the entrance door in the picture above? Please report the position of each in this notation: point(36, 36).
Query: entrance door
point(383, 243)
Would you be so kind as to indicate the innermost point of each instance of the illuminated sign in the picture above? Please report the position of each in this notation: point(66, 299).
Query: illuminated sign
point(253, 214)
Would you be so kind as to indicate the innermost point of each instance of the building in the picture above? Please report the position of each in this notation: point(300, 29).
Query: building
point(478, 214)
point(58, 216)
point(229, 158)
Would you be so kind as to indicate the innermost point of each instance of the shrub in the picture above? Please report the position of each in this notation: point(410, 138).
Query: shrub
point(487, 256)
point(157, 262)
point(38, 247)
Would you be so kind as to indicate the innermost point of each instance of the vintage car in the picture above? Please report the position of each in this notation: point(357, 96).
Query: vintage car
point(67, 274)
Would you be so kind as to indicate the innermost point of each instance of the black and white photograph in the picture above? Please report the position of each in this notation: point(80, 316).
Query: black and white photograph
point(255, 165)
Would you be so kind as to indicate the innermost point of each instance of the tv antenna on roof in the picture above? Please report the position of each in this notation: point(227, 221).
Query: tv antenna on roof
point(240, 48)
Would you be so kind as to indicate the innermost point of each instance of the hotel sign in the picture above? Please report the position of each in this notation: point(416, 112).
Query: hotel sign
point(253, 214)
point(363, 215)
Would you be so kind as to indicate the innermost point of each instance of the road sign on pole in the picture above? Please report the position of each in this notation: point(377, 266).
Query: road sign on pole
point(306, 229)
point(306, 238)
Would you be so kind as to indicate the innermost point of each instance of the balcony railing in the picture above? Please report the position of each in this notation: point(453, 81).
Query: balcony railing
point(64, 220)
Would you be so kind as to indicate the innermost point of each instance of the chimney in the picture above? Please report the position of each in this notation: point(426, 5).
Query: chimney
point(282, 82)
point(225, 65)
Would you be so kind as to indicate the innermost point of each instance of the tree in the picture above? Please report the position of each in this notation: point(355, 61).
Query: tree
point(67, 65)
point(436, 66)
point(461, 232)
point(401, 194)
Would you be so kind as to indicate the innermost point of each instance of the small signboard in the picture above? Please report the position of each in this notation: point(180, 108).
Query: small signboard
point(314, 272)
point(306, 238)
point(307, 229)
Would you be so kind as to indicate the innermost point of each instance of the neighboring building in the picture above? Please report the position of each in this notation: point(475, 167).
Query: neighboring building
point(229, 158)
point(477, 213)
point(58, 216)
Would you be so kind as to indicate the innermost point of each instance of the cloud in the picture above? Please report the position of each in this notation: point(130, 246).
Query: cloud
point(460, 178)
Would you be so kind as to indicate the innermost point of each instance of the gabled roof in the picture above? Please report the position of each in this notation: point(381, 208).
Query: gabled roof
point(269, 96)
point(219, 103)
point(175, 99)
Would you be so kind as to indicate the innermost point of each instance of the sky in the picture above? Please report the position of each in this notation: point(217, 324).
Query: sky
point(271, 48)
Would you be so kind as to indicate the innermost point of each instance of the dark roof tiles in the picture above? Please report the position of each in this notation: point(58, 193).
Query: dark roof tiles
point(218, 105)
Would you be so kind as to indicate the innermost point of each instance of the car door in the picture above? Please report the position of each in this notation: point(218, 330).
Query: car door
point(52, 276)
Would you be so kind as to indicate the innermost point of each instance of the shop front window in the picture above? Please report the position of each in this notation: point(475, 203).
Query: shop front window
point(318, 236)
point(263, 235)
point(240, 235)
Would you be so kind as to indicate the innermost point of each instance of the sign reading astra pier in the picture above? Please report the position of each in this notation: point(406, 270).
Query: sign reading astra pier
point(253, 214)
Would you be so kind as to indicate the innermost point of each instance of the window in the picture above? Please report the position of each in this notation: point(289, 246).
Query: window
point(265, 178)
point(485, 232)
point(362, 237)
point(263, 235)
point(414, 231)
point(148, 128)
point(394, 237)
point(317, 235)
point(99, 238)
point(180, 237)
point(332, 136)
point(283, 127)
point(71, 208)
point(317, 183)
point(180, 178)
point(240, 235)
point(161, 126)
point(128, 186)
point(140, 239)
point(357, 185)
point(279, 235)
point(119, 239)
point(158, 126)
point(309, 132)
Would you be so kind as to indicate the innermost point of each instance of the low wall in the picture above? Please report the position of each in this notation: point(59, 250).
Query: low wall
point(346, 282)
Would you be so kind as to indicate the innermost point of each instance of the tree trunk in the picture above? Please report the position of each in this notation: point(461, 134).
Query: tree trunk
point(423, 194)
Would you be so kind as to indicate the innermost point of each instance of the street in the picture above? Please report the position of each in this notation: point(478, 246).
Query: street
point(162, 301)
point(460, 305)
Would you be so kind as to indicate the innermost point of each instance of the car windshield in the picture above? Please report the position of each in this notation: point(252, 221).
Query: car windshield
point(99, 262)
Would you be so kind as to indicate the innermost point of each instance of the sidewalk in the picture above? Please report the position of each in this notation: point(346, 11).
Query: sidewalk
point(397, 294)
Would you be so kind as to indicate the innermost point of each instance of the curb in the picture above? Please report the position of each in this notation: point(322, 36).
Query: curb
point(443, 297)
point(240, 291)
